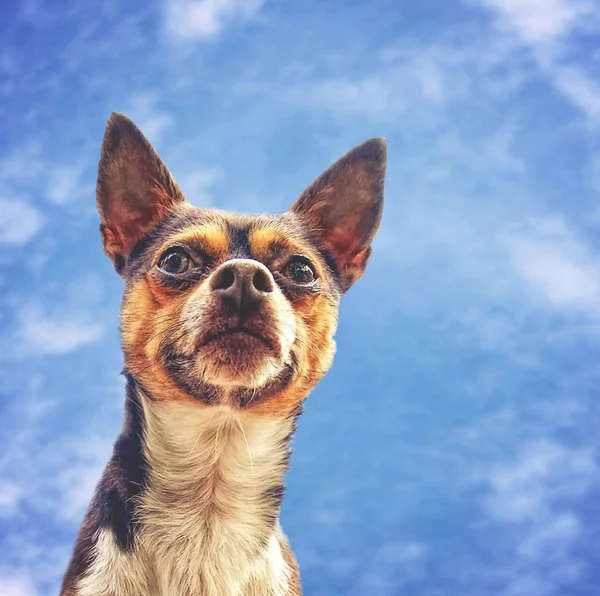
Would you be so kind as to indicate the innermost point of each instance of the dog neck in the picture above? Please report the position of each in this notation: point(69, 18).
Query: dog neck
point(201, 457)
point(214, 486)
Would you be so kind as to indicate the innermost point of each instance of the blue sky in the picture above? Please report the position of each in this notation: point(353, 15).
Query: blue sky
point(453, 448)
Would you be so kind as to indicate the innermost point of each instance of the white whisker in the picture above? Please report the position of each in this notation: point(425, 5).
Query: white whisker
point(239, 423)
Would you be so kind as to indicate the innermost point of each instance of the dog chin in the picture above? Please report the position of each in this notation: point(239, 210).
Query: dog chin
point(237, 368)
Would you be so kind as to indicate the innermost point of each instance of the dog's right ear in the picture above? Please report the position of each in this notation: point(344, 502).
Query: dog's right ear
point(343, 207)
point(135, 189)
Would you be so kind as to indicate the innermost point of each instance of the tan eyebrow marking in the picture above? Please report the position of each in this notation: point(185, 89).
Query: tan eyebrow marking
point(263, 240)
point(211, 237)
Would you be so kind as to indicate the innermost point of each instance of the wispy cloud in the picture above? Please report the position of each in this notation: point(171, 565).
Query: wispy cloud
point(541, 23)
point(10, 493)
point(21, 164)
point(537, 495)
point(75, 481)
point(493, 153)
point(19, 223)
point(424, 92)
point(58, 484)
point(411, 81)
point(13, 583)
point(40, 333)
point(544, 474)
point(65, 183)
point(582, 90)
point(49, 477)
point(197, 185)
point(545, 26)
point(557, 264)
point(28, 172)
point(521, 267)
point(206, 19)
point(380, 574)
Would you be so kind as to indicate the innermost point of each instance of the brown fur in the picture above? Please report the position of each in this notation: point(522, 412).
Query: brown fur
point(189, 342)
point(150, 310)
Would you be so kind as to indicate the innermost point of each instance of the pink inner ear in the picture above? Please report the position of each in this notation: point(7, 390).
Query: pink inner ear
point(126, 229)
point(131, 218)
point(345, 240)
point(135, 189)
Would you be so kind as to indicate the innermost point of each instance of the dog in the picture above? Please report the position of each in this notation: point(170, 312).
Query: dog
point(227, 323)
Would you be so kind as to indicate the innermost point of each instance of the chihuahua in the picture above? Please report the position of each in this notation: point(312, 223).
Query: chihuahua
point(227, 323)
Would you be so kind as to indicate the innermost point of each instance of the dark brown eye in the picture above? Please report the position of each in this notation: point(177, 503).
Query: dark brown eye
point(299, 271)
point(175, 261)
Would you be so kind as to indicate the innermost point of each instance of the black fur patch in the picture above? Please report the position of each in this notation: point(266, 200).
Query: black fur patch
point(113, 504)
point(182, 370)
point(239, 245)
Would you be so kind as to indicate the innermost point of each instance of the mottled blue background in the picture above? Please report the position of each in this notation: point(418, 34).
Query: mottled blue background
point(453, 448)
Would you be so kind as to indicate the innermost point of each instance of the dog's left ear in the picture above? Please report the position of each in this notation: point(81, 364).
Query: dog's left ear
point(343, 207)
point(135, 189)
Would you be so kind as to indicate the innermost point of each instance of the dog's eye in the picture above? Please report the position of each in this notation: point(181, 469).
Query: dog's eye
point(299, 271)
point(175, 261)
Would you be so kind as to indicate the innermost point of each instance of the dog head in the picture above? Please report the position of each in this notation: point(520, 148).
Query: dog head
point(227, 308)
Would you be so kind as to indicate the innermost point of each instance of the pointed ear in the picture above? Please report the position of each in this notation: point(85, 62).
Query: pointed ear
point(343, 207)
point(135, 189)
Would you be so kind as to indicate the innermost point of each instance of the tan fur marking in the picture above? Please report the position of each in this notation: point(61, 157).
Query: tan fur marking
point(262, 240)
point(266, 242)
point(210, 237)
point(147, 319)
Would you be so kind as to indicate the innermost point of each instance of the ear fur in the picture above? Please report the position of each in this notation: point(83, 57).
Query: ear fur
point(135, 189)
point(343, 207)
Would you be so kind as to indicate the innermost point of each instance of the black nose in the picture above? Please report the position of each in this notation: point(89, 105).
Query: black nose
point(243, 282)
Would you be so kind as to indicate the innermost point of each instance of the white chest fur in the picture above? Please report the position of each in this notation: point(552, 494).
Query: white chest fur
point(206, 517)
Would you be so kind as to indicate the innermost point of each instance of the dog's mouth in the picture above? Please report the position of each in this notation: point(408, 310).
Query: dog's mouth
point(239, 331)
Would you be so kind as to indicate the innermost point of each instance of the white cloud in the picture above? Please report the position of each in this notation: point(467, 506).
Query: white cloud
point(546, 28)
point(19, 222)
point(413, 82)
point(378, 97)
point(10, 494)
point(544, 474)
point(206, 19)
point(541, 22)
point(380, 574)
point(40, 333)
point(16, 584)
point(557, 264)
point(22, 164)
point(527, 584)
point(406, 82)
point(34, 12)
point(493, 153)
point(56, 479)
point(559, 532)
point(77, 484)
point(196, 185)
point(580, 89)
point(24, 171)
point(536, 494)
point(78, 476)
point(65, 183)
